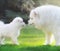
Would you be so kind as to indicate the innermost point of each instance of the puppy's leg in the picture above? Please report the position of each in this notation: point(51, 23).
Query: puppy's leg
point(2, 40)
point(14, 40)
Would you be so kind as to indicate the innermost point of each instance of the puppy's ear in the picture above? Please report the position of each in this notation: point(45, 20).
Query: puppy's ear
point(18, 20)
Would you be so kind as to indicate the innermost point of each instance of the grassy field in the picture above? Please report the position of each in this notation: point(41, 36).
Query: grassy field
point(30, 39)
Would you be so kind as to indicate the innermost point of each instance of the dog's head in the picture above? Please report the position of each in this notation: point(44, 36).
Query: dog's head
point(34, 18)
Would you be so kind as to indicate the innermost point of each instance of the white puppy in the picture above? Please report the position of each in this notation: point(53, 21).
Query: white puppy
point(47, 18)
point(11, 30)
point(1, 23)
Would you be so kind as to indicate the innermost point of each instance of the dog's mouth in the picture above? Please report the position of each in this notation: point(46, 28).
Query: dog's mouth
point(31, 23)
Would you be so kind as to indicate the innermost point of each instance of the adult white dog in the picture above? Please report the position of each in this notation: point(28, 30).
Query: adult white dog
point(47, 18)
point(11, 30)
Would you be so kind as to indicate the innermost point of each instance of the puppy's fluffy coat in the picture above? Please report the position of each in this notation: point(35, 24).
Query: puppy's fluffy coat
point(11, 30)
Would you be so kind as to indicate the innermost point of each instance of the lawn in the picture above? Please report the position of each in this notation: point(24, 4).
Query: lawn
point(27, 48)
point(31, 39)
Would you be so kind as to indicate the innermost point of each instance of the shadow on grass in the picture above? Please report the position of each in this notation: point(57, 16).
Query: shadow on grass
point(26, 48)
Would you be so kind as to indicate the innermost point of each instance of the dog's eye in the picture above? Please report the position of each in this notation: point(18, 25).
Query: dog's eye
point(31, 18)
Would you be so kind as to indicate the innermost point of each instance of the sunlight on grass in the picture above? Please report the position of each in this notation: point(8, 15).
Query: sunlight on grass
point(32, 42)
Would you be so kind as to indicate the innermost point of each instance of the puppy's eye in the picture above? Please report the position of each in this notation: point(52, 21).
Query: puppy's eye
point(21, 21)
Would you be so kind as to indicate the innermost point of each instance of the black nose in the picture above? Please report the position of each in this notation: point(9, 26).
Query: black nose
point(26, 20)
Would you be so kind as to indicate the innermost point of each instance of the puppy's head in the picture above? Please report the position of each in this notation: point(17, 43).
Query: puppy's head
point(1, 23)
point(19, 21)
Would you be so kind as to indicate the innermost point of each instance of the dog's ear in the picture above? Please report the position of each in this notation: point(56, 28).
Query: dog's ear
point(35, 14)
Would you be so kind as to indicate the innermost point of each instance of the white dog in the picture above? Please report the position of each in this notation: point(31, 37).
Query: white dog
point(11, 30)
point(47, 18)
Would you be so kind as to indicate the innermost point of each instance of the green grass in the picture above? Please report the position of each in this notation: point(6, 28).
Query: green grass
point(31, 39)
point(27, 48)
point(31, 36)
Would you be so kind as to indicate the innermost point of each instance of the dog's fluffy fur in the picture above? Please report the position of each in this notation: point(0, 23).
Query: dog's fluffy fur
point(11, 30)
point(47, 18)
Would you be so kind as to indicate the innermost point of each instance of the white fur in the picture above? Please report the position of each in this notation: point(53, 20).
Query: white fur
point(47, 18)
point(1, 23)
point(11, 30)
